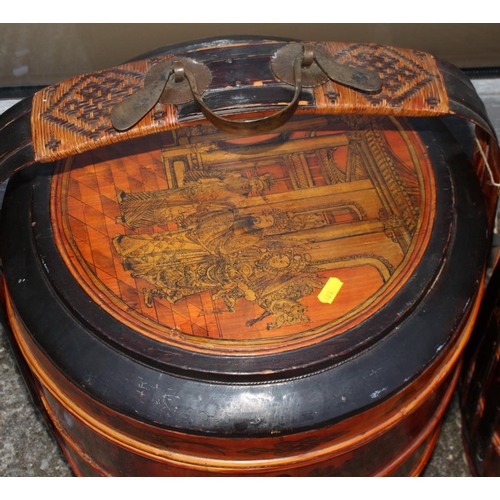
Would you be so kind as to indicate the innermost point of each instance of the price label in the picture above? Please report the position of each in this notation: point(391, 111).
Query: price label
point(330, 290)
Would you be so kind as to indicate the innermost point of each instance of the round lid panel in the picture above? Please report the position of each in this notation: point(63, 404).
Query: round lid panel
point(229, 245)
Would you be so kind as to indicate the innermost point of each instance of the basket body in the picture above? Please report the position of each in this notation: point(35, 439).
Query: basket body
point(295, 302)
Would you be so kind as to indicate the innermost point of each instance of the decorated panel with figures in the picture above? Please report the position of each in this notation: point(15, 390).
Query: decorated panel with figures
point(215, 242)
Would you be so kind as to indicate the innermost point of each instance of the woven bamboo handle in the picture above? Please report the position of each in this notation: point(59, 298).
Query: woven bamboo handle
point(75, 115)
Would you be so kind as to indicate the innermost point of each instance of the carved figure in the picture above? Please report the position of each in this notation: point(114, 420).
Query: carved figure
point(151, 208)
point(231, 254)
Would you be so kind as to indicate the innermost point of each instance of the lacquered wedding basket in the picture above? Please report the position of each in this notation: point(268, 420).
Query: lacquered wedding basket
point(247, 257)
point(480, 387)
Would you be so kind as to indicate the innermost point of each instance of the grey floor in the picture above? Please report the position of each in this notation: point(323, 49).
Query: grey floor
point(28, 449)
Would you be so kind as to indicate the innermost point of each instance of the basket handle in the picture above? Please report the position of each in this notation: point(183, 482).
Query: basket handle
point(291, 64)
point(130, 111)
point(257, 125)
point(74, 116)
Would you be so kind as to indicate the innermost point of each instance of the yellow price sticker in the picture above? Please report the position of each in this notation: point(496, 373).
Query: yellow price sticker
point(330, 290)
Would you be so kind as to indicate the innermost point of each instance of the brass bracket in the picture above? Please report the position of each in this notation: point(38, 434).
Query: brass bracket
point(159, 86)
point(177, 89)
point(322, 68)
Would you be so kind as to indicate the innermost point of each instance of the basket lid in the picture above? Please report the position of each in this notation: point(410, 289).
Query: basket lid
point(322, 254)
point(320, 238)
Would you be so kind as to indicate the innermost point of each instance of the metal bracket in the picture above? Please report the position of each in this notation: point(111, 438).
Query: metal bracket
point(322, 68)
